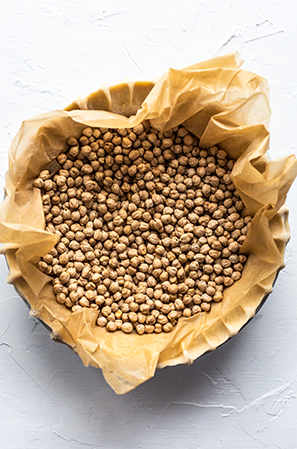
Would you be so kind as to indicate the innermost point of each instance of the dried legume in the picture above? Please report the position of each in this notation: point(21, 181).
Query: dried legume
point(150, 226)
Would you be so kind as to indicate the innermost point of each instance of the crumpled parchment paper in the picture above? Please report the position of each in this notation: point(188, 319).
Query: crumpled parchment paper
point(222, 105)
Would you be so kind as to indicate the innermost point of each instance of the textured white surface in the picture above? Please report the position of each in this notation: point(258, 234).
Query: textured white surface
point(244, 394)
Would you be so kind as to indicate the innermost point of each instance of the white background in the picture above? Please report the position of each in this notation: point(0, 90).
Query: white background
point(243, 395)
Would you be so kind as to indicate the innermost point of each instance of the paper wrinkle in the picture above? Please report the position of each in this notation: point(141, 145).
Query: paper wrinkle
point(222, 105)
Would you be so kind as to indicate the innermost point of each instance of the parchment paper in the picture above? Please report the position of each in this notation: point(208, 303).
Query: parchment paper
point(222, 105)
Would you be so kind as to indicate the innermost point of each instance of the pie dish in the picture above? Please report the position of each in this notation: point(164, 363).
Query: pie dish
point(222, 105)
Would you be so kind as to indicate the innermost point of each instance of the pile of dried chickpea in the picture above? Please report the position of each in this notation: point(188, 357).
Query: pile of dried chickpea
point(150, 226)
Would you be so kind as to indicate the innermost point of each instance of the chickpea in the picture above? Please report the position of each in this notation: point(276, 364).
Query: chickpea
point(150, 226)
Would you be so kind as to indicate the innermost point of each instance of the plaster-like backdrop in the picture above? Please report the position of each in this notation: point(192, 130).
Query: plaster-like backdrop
point(244, 394)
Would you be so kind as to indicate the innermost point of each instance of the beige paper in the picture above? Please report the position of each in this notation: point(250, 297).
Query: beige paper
point(222, 105)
